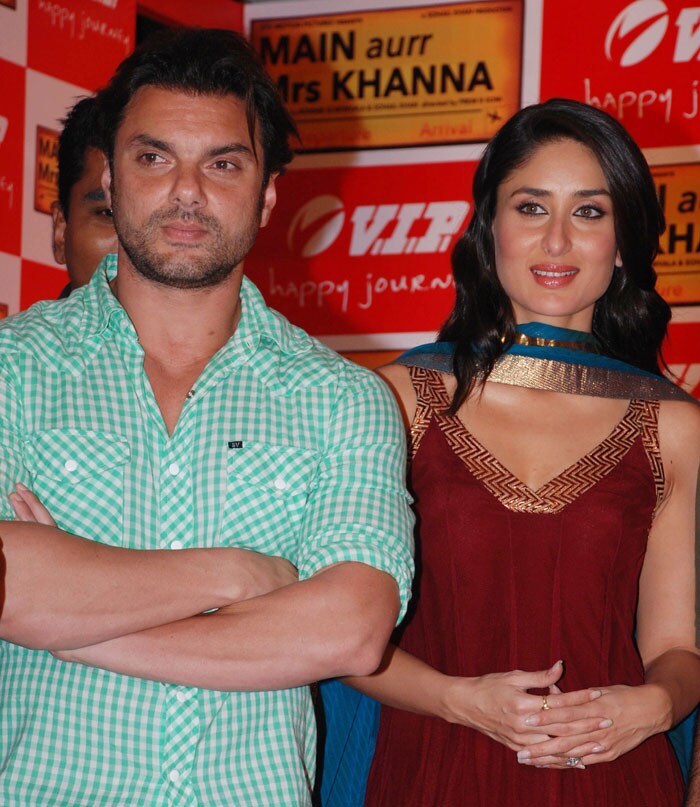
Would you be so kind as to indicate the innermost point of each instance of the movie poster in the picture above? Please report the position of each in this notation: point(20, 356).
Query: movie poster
point(399, 76)
point(45, 169)
point(678, 263)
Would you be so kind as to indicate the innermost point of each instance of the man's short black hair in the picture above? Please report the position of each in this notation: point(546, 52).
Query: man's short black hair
point(81, 130)
point(203, 61)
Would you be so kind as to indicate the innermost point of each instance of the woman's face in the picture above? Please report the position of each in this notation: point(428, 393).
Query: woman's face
point(554, 236)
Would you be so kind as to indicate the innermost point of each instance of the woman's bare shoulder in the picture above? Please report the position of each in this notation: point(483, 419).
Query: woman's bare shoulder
point(398, 377)
point(680, 420)
point(679, 436)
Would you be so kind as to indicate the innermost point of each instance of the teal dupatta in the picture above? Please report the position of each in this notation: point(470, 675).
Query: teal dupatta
point(559, 360)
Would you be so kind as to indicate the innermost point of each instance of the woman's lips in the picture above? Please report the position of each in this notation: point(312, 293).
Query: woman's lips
point(553, 276)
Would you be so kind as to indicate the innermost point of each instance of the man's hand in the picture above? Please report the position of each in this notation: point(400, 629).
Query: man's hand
point(257, 574)
point(63, 591)
point(28, 508)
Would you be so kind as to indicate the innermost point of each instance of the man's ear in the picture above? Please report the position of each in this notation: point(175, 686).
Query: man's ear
point(107, 181)
point(269, 200)
point(59, 232)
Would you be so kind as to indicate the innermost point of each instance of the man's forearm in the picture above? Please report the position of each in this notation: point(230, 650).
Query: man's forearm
point(62, 591)
point(338, 622)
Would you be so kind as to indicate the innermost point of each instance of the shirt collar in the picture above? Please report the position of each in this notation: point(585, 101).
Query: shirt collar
point(257, 324)
point(93, 315)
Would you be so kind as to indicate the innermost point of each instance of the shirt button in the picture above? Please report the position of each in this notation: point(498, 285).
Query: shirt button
point(181, 696)
point(173, 469)
point(280, 484)
point(176, 544)
point(174, 776)
point(71, 465)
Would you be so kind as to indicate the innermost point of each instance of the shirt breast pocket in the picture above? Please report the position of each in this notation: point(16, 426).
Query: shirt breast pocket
point(79, 476)
point(267, 490)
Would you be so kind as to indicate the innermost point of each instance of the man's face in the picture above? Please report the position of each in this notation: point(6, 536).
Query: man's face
point(187, 189)
point(81, 241)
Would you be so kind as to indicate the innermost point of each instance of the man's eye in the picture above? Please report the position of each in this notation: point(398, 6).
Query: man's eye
point(150, 158)
point(106, 212)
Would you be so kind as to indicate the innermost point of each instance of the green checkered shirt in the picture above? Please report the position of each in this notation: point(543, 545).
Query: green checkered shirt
point(283, 447)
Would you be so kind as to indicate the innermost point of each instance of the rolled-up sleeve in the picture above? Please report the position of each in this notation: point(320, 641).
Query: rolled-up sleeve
point(12, 467)
point(359, 509)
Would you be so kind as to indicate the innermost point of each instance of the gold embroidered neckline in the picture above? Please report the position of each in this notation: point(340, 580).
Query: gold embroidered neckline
point(588, 346)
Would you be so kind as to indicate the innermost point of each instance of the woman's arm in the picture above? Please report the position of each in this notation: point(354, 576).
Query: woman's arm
point(665, 619)
point(666, 616)
point(496, 704)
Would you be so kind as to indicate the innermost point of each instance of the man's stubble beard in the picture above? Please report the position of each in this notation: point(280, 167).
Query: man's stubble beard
point(197, 271)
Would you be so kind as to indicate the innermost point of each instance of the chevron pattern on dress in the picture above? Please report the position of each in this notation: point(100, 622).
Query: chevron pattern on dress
point(431, 398)
point(650, 439)
point(558, 492)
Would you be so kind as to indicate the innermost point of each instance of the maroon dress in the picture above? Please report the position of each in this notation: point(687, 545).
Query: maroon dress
point(512, 579)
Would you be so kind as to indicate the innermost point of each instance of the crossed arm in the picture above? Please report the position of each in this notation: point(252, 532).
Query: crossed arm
point(63, 591)
point(141, 612)
point(279, 633)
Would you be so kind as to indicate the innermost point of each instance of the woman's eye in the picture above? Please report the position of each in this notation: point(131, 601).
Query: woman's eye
point(589, 212)
point(530, 208)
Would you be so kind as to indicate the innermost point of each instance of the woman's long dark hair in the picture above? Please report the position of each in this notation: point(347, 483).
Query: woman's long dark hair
point(630, 319)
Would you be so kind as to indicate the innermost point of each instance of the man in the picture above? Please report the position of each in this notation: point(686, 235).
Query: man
point(163, 407)
point(83, 232)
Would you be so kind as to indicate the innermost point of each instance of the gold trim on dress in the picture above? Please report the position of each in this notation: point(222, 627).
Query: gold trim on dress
point(577, 379)
point(540, 341)
point(639, 421)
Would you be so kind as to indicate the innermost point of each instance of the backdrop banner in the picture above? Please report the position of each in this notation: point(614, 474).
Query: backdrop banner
point(362, 254)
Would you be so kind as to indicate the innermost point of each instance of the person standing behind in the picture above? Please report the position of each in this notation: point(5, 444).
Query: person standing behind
point(164, 407)
point(83, 231)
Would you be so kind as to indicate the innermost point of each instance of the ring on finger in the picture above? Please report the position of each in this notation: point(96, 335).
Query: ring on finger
point(545, 704)
point(572, 762)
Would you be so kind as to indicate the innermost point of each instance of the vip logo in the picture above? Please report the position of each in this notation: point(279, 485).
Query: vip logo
point(640, 27)
point(316, 226)
point(4, 126)
point(388, 229)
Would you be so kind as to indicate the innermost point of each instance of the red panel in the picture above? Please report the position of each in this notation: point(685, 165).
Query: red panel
point(80, 41)
point(637, 59)
point(203, 13)
point(682, 350)
point(11, 155)
point(683, 343)
point(40, 282)
point(363, 249)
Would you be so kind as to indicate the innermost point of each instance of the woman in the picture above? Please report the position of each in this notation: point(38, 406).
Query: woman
point(554, 474)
